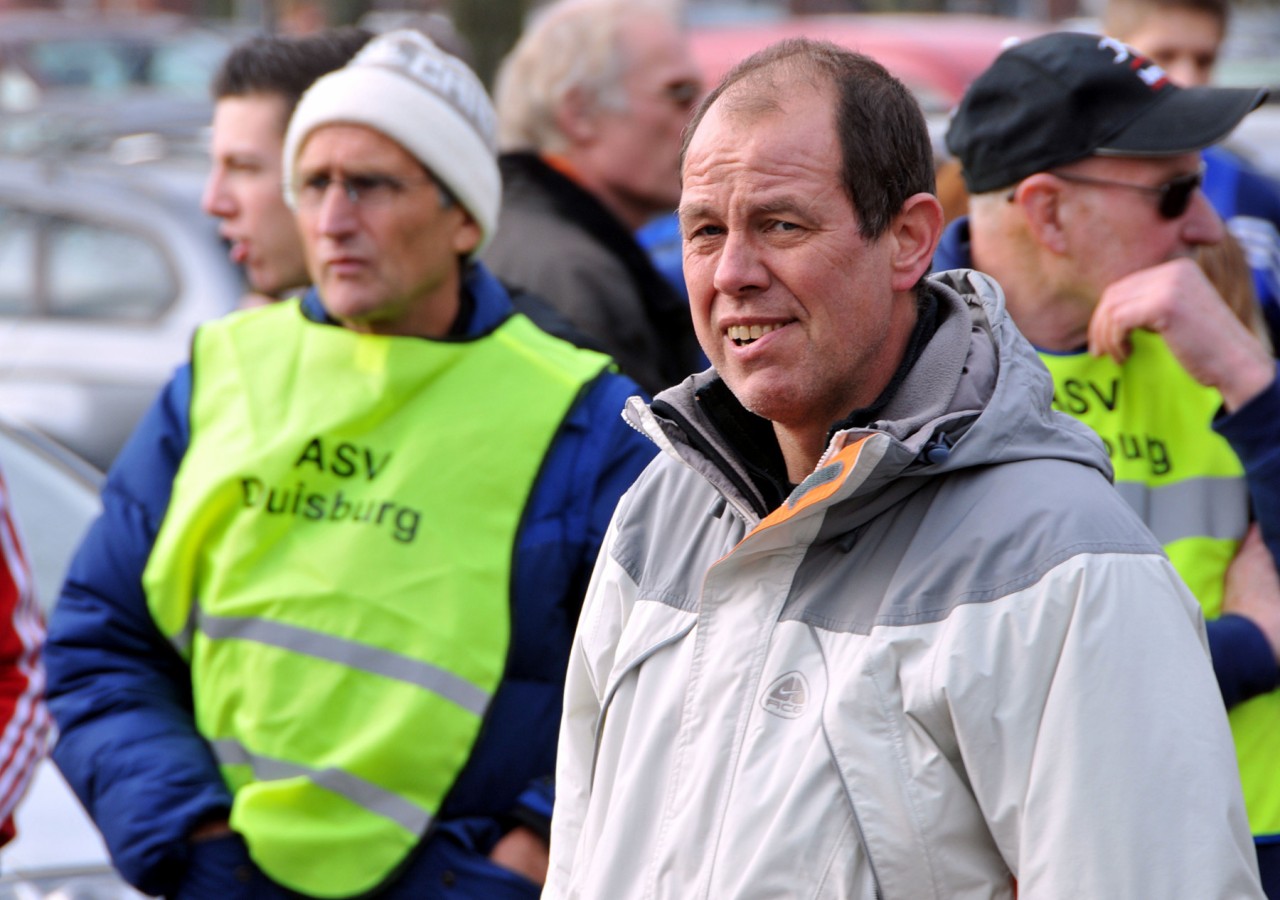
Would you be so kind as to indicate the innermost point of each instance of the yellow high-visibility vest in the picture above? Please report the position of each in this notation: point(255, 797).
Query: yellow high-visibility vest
point(1188, 486)
point(335, 565)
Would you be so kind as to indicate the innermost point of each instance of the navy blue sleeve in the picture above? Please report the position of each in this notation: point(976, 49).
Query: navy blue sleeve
point(1242, 657)
point(599, 457)
point(1253, 431)
point(594, 459)
point(623, 451)
point(119, 692)
point(533, 808)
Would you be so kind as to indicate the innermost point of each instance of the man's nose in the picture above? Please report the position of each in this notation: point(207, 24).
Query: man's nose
point(337, 213)
point(1202, 224)
point(740, 269)
point(216, 200)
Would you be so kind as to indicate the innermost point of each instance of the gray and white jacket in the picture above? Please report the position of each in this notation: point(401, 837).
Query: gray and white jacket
point(953, 660)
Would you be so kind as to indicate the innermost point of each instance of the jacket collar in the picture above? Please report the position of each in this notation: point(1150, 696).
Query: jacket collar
point(976, 366)
point(485, 305)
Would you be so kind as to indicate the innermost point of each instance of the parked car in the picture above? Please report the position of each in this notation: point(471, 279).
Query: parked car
point(106, 269)
point(935, 55)
point(58, 853)
point(45, 53)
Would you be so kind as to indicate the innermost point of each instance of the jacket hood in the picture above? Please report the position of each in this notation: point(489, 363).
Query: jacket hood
point(978, 395)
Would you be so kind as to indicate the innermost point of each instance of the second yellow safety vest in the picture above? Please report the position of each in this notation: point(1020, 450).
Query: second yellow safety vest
point(1188, 486)
point(335, 564)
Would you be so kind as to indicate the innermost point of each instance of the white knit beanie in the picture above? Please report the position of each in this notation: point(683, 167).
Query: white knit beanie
point(404, 86)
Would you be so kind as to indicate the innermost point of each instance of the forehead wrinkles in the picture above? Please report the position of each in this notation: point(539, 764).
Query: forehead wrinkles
point(735, 196)
point(342, 147)
point(733, 171)
point(735, 150)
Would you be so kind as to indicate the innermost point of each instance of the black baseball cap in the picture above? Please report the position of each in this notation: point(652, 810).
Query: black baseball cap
point(1061, 97)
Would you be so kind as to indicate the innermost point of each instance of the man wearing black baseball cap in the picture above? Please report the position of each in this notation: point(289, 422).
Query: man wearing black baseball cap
point(1063, 97)
point(1083, 162)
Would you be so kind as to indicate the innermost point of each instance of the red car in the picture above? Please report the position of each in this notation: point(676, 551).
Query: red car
point(936, 55)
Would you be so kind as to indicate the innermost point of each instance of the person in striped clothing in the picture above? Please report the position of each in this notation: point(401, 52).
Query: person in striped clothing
point(24, 721)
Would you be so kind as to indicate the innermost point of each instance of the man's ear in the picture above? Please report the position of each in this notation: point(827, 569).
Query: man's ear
point(576, 116)
point(1039, 199)
point(466, 237)
point(915, 232)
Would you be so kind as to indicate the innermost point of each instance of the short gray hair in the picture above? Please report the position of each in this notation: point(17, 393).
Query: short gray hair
point(569, 45)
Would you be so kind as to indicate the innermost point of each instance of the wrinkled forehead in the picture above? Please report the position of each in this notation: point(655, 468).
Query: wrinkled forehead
point(352, 142)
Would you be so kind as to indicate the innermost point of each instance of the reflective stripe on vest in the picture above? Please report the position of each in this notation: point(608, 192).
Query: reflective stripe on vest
point(1215, 508)
point(335, 564)
point(1187, 484)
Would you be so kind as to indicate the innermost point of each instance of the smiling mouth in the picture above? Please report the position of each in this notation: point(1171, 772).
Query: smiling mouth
point(741, 335)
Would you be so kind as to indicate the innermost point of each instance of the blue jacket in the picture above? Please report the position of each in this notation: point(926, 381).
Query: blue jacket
point(1242, 657)
point(1250, 203)
point(122, 697)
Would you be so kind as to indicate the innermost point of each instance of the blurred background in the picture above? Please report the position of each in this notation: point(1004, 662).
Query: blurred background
point(107, 262)
point(104, 114)
point(176, 41)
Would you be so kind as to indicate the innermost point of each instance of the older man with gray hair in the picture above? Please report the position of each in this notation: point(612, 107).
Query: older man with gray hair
point(591, 104)
point(315, 645)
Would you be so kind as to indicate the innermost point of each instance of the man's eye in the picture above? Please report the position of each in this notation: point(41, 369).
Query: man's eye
point(705, 231)
point(682, 93)
point(780, 225)
point(317, 184)
point(242, 166)
point(373, 187)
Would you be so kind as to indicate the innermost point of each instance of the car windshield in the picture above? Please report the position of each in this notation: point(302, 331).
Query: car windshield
point(113, 64)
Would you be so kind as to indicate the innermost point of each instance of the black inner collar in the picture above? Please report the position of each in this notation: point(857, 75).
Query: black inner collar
point(752, 437)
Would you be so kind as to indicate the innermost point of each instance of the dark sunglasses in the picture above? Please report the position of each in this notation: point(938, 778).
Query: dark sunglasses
point(1174, 195)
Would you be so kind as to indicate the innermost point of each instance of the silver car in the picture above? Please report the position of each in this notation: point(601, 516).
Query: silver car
point(107, 265)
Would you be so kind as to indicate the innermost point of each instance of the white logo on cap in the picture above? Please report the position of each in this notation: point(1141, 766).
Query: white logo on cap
point(416, 56)
point(1150, 73)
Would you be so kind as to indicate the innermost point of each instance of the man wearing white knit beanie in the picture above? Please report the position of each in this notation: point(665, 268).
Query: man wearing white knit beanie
point(362, 521)
point(404, 99)
point(423, 99)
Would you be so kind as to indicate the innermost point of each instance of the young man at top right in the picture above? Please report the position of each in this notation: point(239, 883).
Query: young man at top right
point(1184, 38)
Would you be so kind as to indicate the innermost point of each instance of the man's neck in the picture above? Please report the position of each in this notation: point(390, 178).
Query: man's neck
point(1053, 326)
point(915, 323)
point(1051, 319)
point(801, 449)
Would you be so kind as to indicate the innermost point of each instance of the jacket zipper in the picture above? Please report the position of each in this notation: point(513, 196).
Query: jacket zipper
point(699, 443)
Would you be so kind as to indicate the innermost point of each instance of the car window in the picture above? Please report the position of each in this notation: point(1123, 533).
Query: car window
point(112, 65)
point(94, 64)
point(19, 233)
point(99, 272)
point(186, 65)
